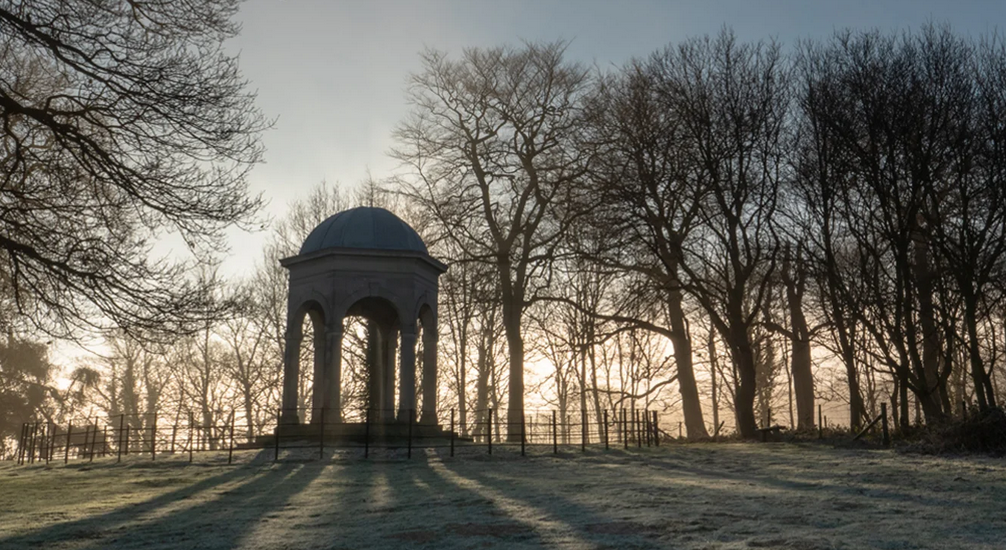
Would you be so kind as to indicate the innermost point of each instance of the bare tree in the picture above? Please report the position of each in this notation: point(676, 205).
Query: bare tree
point(495, 137)
point(649, 201)
point(119, 122)
point(917, 217)
point(247, 363)
point(732, 100)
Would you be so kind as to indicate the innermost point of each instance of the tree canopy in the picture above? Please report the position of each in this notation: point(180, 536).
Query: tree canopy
point(121, 122)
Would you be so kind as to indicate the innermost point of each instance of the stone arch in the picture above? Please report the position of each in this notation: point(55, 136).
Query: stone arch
point(313, 308)
point(311, 303)
point(384, 324)
point(346, 303)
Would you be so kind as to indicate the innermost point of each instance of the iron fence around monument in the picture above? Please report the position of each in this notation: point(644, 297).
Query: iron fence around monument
point(360, 434)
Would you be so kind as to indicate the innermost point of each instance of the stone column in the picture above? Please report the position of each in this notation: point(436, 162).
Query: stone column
point(407, 386)
point(291, 374)
point(333, 374)
point(390, 343)
point(375, 370)
point(429, 375)
point(318, 384)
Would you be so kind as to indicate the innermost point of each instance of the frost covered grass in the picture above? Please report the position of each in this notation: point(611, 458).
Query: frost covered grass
point(690, 496)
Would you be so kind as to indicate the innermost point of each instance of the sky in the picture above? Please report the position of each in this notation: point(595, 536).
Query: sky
point(332, 74)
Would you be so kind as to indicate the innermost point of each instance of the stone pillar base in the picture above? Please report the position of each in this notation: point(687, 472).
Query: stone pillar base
point(428, 418)
point(289, 417)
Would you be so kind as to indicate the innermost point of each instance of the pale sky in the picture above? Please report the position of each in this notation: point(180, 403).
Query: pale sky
point(333, 73)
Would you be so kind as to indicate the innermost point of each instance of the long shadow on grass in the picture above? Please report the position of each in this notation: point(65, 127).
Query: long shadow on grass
point(525, 496)
point(219, 521)
point(817, 482)
point(407, 503)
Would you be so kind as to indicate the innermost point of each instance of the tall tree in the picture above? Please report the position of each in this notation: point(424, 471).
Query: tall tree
point(899, 116)
point(122, 121)
point(732, 100)
point(649, 202)
point(495, 137)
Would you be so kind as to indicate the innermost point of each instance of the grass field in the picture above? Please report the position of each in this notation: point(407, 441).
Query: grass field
point(689, 496)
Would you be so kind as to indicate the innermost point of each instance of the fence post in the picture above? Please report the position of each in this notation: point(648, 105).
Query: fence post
point(656, 430)
point(523, 434)
point(122, 420)
point(555, 436)
point(34, 443)
point(87, 433)
point(230, 451)
point(104, 440)
point(275, 457)
point(321, 435)
point(606, 447)
point(153, 438)
point(452, 432)
point(20, 442)
point(625, 430)
point(66, 452)
point(412, 416)
point(366, 435)
point(634, 424)
point(45, 441)
point(490, 420)
point(820, 426)
point(126, 440)
point(22, 448)
point(646, 426)
point(52, 442)
point(639, 429)
point(192, 436)
point(887, 435)
point(583, 431)
point(174, 432)
point(94, 439)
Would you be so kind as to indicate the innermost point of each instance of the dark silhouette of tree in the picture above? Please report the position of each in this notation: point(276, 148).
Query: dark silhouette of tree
point(732, 100)
point(120, 122)
point(907, 192)
point(25, 377)
point(648, 202)
point(495, 137)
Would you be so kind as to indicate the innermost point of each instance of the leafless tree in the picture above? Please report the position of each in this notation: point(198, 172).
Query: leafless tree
point(649, 201)
point(495, 137)
point(732, 100)
point(120, 122)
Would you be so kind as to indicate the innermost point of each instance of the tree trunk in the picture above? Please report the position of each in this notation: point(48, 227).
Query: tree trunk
point(744, 361)
point(800, 359)
point(512, 309)
point(980, 378)
point(483, 365)
point(930, 381)
point(249, 413)
point(713, 360)
point(690, 403)
point(462, 382)
point(905, 422)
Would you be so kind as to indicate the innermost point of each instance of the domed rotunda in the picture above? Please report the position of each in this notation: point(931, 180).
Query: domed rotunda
point(363, 262)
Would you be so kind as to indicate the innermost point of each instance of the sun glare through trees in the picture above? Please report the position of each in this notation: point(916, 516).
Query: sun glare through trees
point(726, 239)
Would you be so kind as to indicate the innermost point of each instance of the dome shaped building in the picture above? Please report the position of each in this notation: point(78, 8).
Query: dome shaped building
point(363, 262)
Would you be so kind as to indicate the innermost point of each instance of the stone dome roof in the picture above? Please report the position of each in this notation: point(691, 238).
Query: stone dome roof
point(364, 228)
